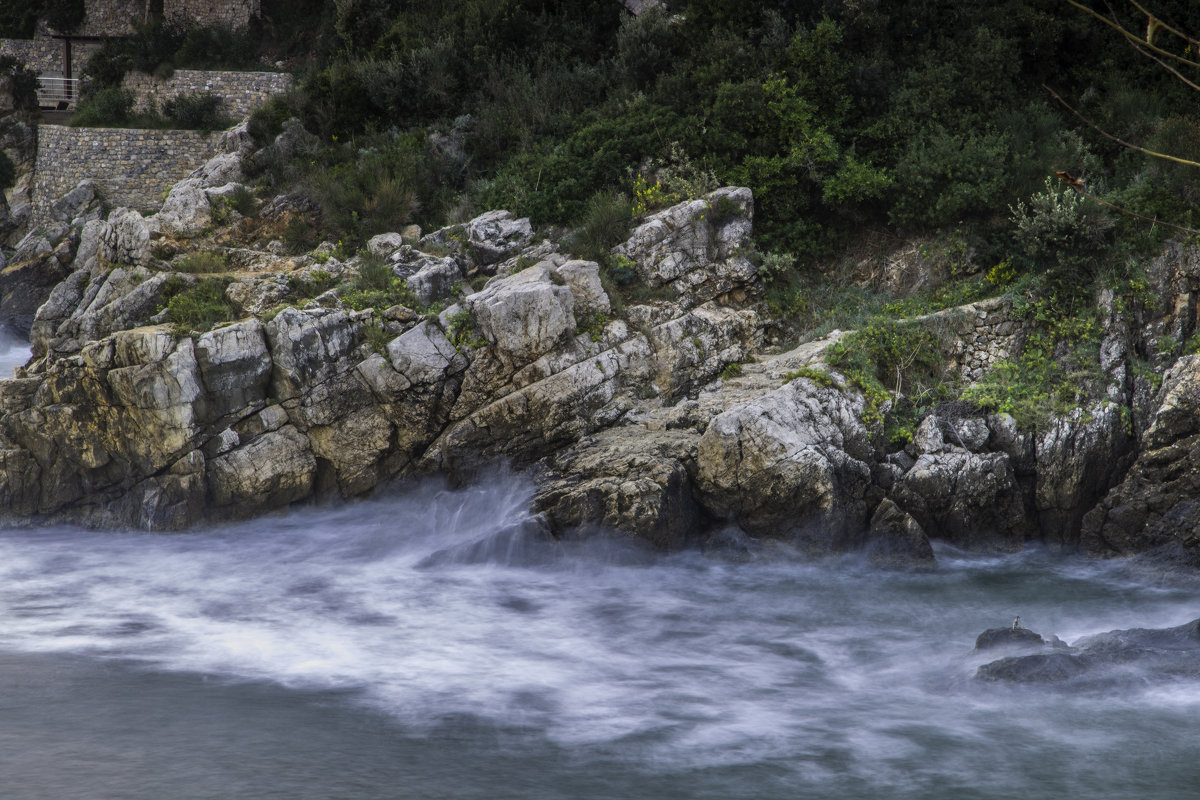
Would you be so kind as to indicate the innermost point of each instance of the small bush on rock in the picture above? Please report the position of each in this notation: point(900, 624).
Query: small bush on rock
point(207, 261)
point(604, 225)
point(200, 306)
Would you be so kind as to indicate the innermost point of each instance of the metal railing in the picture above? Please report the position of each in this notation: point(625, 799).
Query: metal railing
point(57, 92)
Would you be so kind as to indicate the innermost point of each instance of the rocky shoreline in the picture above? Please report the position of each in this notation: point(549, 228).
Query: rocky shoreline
point(667, 419)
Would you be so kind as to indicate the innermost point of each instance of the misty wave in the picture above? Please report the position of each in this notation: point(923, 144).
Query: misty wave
point(430, 605)
point(14, 352)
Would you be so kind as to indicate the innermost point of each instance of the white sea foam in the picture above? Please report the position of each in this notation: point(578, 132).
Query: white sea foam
point(14, 352)
point(431, 603)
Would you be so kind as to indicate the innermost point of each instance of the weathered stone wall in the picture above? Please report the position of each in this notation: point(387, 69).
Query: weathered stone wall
point(225, 13)
point(240, 92)
point(41, 54)
point(131, 167)
point(116, 17)
point(111, 17)
point(985, 334)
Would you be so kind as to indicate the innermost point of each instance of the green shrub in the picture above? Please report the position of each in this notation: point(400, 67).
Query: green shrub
point(200, 306)
point(374, 273)
point(464, 333)
point(775, 267)
point(888, 356)
point(200, 111)
point(266, 121)
point(374, 334)
point(374, 292)
point(310, 283)
point(25, 83)
point(241, 200)
point(722, 210)
point(18, 18)
point(593, 325)
point(300, 235)
point(106, 107)
point(648, 45)
point(215, 47)
point(203, 261)
point(1057, 370)
point(64, 15)
point(1062, 234)
point(818, 376)
point(604, 225)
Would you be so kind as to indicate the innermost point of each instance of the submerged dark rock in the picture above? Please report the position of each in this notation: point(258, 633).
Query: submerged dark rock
point(1122, 656)
point(994, 638)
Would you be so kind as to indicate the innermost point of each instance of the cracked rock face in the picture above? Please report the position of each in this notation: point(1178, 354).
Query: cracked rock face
point(792, 460)
point(697, 248)
point(1155, 507)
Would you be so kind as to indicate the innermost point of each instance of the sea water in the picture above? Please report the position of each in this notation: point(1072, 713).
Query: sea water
point(435, 643)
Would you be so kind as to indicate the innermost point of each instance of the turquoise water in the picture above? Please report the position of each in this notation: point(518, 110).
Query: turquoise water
point(434, 643)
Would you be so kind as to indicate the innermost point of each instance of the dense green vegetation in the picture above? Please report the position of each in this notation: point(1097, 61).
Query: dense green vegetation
point(18, 17)
point(913, 115)
point(114, 108)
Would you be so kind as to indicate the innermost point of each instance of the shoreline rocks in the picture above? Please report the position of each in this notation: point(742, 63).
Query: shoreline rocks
point(667, 422)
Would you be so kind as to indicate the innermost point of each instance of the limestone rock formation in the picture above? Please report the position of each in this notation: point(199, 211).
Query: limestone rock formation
point(662, 418)
point(794, 460)
point(698, 248)
point(1155, 508)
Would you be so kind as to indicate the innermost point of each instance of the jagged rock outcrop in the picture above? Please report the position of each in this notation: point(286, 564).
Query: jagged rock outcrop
point(959, 492)
point(665, 420)
point(699, 248)
point(1155, 508)
point(897, 541)
point(137, 424)
point(187, 209)
point(795, 460)
point(629, 483)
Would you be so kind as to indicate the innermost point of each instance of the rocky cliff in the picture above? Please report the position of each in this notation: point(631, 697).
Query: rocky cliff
point(663, 418)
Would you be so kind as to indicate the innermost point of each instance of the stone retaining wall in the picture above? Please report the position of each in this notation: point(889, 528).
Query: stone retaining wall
point(131, 167)
point(224, 13)
point(241, 92)
point(41, 54)
point(986, 334)
point(111, 17)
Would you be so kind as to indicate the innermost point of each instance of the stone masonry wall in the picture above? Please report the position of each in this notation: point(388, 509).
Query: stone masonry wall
point(241, 92)
point(41, 54)
point(115, 17)
point(132, 168)
point(985, 334)
point(225, 13)
point(111, 17)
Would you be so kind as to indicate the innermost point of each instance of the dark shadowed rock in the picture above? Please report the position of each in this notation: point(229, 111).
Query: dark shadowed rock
point(994, 638)
point(896, 540)
point(1038, 668)
point(1136, 655)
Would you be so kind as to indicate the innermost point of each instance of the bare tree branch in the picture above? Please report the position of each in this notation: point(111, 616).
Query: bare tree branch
point(1078, 186)
point(1108, 135)
point(1130, 36)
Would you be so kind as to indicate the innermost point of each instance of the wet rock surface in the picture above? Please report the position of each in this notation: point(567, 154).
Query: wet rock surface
point(1134, 656)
